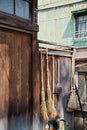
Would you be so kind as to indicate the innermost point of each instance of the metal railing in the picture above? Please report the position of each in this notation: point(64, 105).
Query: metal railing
point(80, 34)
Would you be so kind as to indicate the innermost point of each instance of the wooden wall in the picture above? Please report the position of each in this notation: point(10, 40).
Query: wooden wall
point(19, 72)
point(62, 75)
point(20, 82)
point(16, 91)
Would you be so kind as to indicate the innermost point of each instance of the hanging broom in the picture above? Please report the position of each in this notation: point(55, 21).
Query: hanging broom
point(49, 101)
point(54, 115)
point(43, 103)
point(73, 103)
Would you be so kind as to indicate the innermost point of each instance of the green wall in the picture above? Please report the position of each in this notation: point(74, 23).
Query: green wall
point(56, 21)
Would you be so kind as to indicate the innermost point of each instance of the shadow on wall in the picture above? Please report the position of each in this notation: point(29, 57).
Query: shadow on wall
point(69, 31)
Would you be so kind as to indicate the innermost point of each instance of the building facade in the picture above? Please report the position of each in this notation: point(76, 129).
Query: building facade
point(63, 22)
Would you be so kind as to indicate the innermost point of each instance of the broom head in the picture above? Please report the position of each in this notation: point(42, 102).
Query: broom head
point(73, 103)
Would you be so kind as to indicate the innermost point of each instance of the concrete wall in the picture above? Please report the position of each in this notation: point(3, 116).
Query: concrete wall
point(56, 22)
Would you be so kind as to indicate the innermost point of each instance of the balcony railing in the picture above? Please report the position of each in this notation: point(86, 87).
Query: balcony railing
point(80, 34)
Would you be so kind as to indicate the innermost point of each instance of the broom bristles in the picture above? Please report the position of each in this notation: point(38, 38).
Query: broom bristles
point(49, 102)
point(73, 103)
point(43, 107)
point(44, 112)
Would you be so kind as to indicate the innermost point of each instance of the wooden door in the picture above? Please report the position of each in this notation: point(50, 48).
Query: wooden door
point(15, 80)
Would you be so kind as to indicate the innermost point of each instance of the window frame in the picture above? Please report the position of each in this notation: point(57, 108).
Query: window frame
point(80, 32)
point(14, 10)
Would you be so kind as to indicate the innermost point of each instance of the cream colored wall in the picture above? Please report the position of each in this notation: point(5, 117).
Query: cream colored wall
point(53, 3)
point(56, 24)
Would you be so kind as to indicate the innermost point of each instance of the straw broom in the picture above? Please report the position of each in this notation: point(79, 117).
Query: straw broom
point(43, 103)
point(49, 101)
point(73, 103)
point(54, 115)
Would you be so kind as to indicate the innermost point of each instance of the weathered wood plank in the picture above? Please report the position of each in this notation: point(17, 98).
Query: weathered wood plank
point(81, 69)
point(16, 95)
point(4, 83)
point(16, 22)
point(81, 53)
point(65, 80)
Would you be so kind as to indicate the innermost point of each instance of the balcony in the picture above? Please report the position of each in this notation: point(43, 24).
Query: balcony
point(80, 34)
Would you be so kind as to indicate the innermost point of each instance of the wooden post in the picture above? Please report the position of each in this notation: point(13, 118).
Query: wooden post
point(34, 12)
point(73, 82)
point(35, 75)
point(35, 82)
point(53, 80)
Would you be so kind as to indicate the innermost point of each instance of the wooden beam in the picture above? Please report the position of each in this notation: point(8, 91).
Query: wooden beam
point(54, 47)
point(53, 43)
point(16, 22)
point(81, 69)
point(15, 29)
point(81, 54)
point(58, 54)
point(35, 82)
point(81, 59)
point(81, 64)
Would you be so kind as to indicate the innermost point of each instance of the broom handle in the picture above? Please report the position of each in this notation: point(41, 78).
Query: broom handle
point(42, 71)
point(73, 67)
point(79, 101)
point(53, 79)
point(47, 68)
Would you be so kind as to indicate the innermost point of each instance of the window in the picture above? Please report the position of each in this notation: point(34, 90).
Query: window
point(81, 27)
point(21, 8)
point(6, 6)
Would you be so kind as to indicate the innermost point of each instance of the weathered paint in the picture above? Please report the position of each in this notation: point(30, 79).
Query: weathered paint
point(81, 53)
point(56, 21)
point(54, 3)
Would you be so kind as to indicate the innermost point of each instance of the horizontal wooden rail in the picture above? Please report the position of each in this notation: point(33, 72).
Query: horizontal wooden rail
point(55, 44)
point(53, 47)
